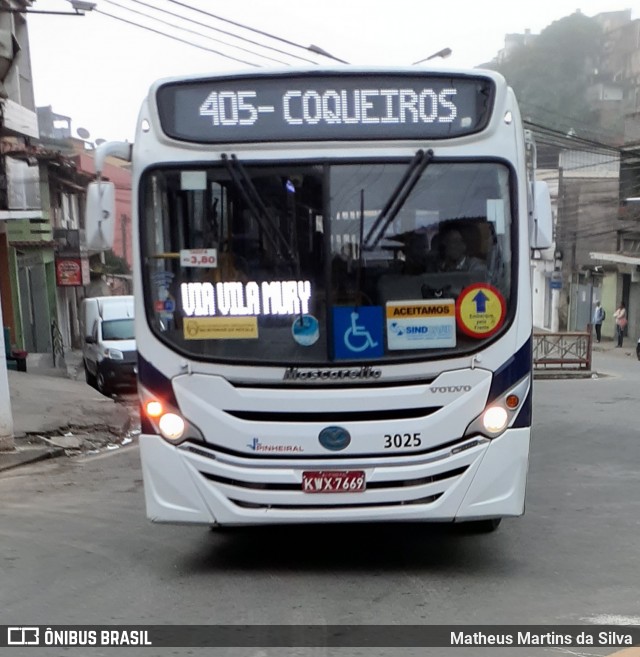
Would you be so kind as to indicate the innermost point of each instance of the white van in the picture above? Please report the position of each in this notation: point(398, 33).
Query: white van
point(109, 350)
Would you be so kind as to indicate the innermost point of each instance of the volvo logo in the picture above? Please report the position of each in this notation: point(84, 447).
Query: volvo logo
point(450, 388)
point(334, 438)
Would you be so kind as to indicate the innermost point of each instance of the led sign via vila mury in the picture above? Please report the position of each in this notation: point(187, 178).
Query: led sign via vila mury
point(239, 299)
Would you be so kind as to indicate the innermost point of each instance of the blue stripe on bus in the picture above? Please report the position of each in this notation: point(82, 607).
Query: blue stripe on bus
point(158, 385)
point(155, 381)
point(512, 371)
point(524, 415)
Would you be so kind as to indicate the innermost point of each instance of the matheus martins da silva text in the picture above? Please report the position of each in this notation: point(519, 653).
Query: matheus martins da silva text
point(578, 638)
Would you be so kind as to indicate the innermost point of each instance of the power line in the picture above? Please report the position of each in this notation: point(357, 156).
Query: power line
point(231, 34)
point(311, 48)
point(175, 38)
point(569, 121)
point(186, 29)
point(573, 139)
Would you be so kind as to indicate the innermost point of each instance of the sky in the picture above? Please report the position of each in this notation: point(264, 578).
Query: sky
point(97, 69)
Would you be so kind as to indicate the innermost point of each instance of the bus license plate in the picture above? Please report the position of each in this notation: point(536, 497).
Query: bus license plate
point(333, 481)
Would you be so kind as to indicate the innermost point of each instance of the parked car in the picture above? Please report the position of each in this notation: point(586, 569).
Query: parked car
point(109, 350)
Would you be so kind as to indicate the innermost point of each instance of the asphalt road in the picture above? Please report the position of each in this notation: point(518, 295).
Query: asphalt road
point(76, 547)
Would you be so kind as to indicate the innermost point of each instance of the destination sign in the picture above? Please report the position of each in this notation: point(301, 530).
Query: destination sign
point(324, 107)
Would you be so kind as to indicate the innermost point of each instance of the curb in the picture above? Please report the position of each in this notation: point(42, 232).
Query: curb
point(10, 460)
point(565, 374)
point(31, 447)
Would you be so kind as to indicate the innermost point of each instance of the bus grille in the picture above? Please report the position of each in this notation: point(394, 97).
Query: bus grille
point(375, 485)
point(318, 507)
point(335, 417)
point(211, 451)
point(277, 483)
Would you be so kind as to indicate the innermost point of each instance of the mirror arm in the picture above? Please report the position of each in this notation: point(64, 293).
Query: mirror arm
point(119, 149)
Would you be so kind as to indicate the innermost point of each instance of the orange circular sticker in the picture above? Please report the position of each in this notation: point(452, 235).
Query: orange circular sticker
point(480, 310)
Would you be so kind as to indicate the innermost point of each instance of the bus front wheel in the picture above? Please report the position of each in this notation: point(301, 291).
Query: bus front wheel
point(482, 526)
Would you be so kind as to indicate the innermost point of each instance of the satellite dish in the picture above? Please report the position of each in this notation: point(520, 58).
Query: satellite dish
point(100, 141)
point(83, 133)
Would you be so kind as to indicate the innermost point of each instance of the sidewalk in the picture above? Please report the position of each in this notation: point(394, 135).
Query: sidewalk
point(627, 350)
point(55, 410)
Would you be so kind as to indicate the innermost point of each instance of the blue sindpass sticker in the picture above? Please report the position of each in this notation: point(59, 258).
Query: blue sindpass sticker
point(421, 324)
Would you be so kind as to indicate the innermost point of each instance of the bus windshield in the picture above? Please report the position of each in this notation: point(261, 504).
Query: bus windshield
point(299, 264)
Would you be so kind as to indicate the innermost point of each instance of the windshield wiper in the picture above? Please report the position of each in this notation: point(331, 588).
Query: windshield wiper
point(398, 197)
point(257, 207)
point(360, 251)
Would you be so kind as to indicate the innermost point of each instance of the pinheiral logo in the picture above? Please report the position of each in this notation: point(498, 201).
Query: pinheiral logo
point(258, 446)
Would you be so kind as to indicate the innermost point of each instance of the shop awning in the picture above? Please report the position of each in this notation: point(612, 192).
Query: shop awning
point(621, 258)
point(7, 215)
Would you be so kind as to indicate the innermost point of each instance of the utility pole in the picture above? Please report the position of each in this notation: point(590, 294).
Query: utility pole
point(6, 417)
point(123, 226)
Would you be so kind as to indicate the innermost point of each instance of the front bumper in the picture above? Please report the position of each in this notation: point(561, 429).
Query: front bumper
point(199, 485)
point(119, 373)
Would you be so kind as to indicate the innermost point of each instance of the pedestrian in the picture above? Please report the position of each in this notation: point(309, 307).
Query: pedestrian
point(620, 315)
point(598, 318)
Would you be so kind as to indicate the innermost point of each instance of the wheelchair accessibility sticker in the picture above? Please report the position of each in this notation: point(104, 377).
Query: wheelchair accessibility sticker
point(358, 331)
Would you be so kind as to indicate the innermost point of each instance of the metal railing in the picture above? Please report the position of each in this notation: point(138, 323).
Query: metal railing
point(57, 345)
point(562, 350)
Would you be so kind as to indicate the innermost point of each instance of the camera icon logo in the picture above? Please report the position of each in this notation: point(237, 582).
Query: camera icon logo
point(23, 636)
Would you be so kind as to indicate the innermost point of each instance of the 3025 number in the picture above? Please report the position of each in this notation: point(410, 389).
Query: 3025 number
point(399, 440)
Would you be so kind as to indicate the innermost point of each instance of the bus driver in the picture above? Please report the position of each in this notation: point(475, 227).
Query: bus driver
point(453, 253)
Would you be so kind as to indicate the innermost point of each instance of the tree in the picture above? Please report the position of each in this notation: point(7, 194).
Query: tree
point(113, 264)
point(551, 75)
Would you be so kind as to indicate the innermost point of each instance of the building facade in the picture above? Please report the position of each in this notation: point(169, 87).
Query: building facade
point(594, 179)
point(27, 276)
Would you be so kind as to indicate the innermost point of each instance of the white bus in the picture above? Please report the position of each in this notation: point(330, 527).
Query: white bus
point(333, 303)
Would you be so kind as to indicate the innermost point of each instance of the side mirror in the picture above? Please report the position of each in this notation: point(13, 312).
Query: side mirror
point(100, 215)
point(90, 339)
point(541, 220)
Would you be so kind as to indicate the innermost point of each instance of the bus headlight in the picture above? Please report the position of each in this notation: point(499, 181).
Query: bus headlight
point(165, 419)
point(495, 419)
point(501, 412)
point(171, 426)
